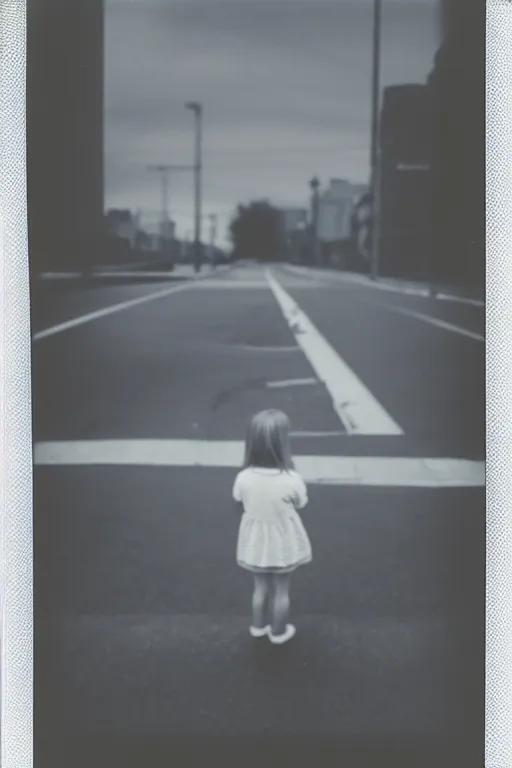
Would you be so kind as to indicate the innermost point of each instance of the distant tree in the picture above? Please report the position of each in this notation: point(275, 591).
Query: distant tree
point(256, 231)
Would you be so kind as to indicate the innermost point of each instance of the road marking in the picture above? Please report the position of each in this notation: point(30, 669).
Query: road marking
point(358, 410)
point(74, 322)
point(321, 433)
point(460, 299)
point(291, 383)
point(53, 276)
point(435, 321)
point(233, 285)
point(255, 348)
point(320, 470)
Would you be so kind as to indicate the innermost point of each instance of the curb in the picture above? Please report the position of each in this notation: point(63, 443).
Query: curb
point(405, 289)
point(131, 275)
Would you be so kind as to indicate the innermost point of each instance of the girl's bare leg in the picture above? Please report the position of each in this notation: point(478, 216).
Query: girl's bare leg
point(259, 600)
point(280, 603)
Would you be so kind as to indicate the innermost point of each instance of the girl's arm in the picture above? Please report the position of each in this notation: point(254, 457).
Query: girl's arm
point(237, 496)
point(301, 492)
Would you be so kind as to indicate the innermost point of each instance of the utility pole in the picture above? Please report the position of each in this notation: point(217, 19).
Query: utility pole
point(197, 109)
point(163, 171)
point(315, 185)
point(375, 150)
point(213, 233)
point(186, 246)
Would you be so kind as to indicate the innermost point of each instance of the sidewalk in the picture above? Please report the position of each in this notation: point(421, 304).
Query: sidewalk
point(137, 272)
point(443, 293)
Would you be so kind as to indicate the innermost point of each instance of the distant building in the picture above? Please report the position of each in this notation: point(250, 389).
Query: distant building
point(293, 219)
point(123, 224)
point(335, 208)
point(157, 230)
point(294, 226)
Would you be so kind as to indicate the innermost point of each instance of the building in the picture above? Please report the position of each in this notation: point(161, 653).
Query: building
point(457, 85)
point(404, 183)
point(65, 85)
point(335, 209)
point(151, 223)
point(123, 224)
point(293, 219)
point(294, 223)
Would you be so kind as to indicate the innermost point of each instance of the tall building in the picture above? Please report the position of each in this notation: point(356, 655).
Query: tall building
point(405, 183)
point(457, 84)
point(65, 84)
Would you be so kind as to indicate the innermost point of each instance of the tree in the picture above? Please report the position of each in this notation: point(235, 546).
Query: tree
point(256, 231)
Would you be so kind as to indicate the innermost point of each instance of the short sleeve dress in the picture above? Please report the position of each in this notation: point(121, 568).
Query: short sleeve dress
point(272, 537)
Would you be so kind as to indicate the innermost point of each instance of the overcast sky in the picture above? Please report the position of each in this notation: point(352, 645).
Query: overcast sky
point(285, 86)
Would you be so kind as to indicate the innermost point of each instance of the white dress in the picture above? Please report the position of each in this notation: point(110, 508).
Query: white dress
point(272, 537)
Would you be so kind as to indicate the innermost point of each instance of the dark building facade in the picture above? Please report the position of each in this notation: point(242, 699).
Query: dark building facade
point(457, 84)
point(404, 183)
point(65, 84)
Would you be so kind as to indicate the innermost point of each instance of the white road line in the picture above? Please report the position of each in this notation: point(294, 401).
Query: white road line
point(322, 470)
point(318, 433)
point(50, 276)
point(357, 408)
point(460, 299)
point(435, 321)
point(279, 350)
point(233, 285)
point(75, 321)
point(291, 383)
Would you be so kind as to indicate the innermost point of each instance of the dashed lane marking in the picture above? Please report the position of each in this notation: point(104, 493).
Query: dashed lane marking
point(356, 407)
point(434, 321)
point(321, 470)
point(291, 383)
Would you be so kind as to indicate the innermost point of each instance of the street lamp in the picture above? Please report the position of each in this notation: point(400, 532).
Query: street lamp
point(196, 108)
point(315, 186)
point(374, 158)
point(163, 171)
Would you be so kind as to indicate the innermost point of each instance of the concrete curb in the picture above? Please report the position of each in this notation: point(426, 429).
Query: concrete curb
point(409, 289)
point(113, 274)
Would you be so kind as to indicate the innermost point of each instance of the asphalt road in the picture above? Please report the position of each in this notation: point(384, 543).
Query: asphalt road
point(142, 648)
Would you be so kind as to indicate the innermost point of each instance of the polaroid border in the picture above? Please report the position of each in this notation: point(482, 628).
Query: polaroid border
point(498, 688)
point(16, 623)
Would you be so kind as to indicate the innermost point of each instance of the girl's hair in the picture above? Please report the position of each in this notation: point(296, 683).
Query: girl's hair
point(268, 443)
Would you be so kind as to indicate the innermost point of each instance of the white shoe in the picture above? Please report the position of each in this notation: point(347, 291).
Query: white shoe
point(259, 631)
point(280, 639)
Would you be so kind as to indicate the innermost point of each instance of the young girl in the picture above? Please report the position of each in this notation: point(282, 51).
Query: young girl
point(272, 540)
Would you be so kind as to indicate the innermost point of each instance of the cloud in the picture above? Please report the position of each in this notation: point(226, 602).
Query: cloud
point(285, 86)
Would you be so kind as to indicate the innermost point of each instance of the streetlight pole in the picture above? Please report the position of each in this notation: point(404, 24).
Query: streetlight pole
point(197, 110)
point(163, 171)
point(315, 185)
point(375, 153)
point(213, 233)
